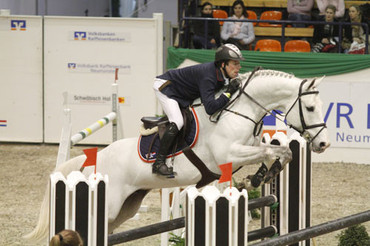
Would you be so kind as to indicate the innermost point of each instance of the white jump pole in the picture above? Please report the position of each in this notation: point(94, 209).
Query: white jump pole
point(93, 128)
point(67, 141)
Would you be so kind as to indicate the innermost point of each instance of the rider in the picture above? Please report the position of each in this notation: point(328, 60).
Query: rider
point(180, 87)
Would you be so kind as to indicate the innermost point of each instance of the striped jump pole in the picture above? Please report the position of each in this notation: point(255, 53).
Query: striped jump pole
point(66, 141)
point(79, 204)
point(93, 128)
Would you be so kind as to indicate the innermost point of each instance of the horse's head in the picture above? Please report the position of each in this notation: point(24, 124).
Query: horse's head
point(305, 116)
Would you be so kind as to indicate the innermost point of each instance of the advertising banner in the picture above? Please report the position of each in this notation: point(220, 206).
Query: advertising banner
point(81, 55)
point(21, 116)
point(346, 107)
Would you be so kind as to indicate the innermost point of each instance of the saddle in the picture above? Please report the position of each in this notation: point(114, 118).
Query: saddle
point(153, 129)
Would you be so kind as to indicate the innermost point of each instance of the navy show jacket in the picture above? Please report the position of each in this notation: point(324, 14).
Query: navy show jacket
point(190, 83)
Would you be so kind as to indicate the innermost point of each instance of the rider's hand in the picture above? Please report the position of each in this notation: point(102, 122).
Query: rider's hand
point(233, 86)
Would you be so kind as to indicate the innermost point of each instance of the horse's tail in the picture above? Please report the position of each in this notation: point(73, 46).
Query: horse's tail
point(40, 232)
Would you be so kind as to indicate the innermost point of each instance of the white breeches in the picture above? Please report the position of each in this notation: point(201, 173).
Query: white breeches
point(169, 106)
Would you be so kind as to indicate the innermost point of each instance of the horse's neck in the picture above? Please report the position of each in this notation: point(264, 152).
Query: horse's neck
point(273, 90)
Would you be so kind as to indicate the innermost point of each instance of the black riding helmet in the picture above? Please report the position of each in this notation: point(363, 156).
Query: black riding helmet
point(225, 53)
point(228, 52)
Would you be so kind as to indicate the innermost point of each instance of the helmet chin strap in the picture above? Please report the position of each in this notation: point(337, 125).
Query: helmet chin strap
point(225, 72)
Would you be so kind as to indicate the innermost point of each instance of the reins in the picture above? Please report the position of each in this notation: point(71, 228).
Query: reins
point(216, 116)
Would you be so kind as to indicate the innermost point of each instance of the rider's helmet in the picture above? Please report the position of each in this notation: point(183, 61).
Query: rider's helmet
point(228, 52)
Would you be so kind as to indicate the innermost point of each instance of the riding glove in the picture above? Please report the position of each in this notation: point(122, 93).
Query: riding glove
point(233, 86)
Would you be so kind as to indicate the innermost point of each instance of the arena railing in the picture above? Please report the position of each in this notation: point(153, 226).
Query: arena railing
point(283, 23)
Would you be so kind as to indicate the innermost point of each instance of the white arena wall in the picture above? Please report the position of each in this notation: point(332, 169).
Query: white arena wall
point(346, 105)
point(41, 58)
point(21, 86)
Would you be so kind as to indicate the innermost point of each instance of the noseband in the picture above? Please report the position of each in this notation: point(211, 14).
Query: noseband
point(304, 133)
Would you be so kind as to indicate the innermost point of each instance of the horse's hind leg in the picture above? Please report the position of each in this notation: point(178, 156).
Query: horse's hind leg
point(128, 209)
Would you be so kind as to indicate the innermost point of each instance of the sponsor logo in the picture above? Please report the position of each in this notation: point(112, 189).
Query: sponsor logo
point(101, 36)
point(71, 65)
point(345, 117)
point(97, 68)
point(79, 36)
point(18, 25)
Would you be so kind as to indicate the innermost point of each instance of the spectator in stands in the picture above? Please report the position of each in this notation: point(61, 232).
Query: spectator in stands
point(212, 39)
point(299, 10)
point(325, 36)
point(66, 238)
point(339, 5)
point(354, 36)
point(240, 34)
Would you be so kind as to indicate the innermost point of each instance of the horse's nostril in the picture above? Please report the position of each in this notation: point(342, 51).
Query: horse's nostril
point(322, 144)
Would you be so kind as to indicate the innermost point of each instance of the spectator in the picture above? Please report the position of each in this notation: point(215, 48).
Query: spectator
point(238, 33)
point(339, 5)
point(212, 39)
point(325, 36)
point(66, 238)
point(354, 36)
point(300, 10)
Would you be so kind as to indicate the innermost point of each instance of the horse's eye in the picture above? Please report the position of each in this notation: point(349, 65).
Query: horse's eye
point(310, 109)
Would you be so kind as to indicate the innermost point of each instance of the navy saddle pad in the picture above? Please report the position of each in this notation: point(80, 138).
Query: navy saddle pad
point(148, 155)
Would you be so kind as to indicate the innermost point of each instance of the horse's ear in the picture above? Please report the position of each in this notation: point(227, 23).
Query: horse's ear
point(316, 82)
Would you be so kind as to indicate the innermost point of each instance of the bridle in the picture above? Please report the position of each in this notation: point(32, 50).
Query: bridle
point(303, 132)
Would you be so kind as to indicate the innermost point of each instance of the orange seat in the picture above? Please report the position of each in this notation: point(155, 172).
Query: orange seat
point(270, 15)
point(252, 16)
point(268, 45)
point(297, 46)
point(219, 13)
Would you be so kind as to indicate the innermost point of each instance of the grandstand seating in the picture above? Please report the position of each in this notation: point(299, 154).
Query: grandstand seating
point(219, 13)
point(252, 16)
point(268, 45)
point(271, 15)
point(297, 46)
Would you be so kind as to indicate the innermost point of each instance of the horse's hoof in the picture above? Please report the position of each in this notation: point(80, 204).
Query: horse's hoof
point(240, 186)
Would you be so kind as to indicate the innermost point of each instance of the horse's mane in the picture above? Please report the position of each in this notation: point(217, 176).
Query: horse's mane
point(267, 73)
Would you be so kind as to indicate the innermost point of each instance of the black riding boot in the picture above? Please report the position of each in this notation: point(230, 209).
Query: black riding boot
point(166, 142)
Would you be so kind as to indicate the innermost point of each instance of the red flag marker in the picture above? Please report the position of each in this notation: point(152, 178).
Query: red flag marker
point(90, 157)
point(226, 173)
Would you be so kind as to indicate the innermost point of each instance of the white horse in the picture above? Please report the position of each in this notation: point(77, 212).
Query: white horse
point(231, 139)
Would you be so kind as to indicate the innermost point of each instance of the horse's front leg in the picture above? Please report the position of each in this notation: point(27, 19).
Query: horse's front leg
point(275, 169)
point(273, 159)
point(242, 155)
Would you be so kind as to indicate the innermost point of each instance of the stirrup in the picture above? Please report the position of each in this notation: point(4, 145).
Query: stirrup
point(163, 169)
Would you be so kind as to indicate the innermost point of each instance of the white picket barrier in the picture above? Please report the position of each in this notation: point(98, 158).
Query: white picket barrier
point(79, 204)
point(215, 218)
